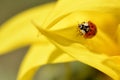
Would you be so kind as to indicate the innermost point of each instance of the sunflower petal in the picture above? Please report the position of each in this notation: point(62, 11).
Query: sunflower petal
point(40, 54)
point(65, 7)
point(114, 63)
point(68, 28)
point(19, 31)
point(118, 35)
point(105, 21)
point(80, 53)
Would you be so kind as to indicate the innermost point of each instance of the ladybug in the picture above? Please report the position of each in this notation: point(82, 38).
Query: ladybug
point(87, 29)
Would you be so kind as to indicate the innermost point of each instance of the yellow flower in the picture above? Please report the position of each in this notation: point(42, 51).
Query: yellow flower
point(51, 30)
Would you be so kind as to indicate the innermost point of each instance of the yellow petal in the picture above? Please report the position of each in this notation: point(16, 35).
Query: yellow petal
point(65, 7)
point(40, 54)
point(105, 21)
point(114, 63)
point(80, 53)
point(68, 28)
point(63, 35)
point(37, 55)
point(19, 31)
point(118, 35)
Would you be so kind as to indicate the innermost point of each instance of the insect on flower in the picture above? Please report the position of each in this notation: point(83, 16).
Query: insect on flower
point(87, 29)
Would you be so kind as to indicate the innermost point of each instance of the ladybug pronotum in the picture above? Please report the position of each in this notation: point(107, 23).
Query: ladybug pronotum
point(87, 29)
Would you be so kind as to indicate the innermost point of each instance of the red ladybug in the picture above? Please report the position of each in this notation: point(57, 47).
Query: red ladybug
point(87, 29)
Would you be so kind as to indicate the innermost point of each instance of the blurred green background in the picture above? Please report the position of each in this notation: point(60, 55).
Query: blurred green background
point(9, 64)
